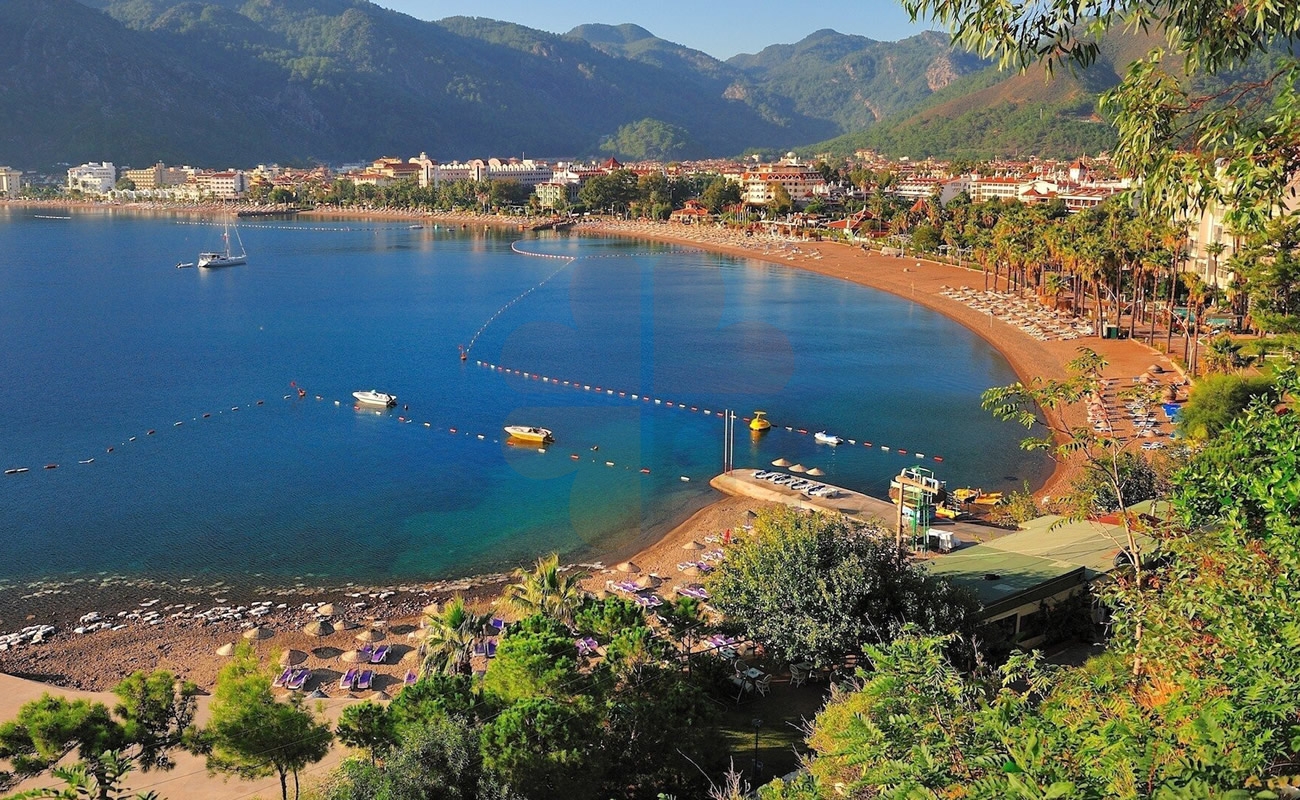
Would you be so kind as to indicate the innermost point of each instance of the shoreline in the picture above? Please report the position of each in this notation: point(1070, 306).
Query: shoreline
point(96, 660)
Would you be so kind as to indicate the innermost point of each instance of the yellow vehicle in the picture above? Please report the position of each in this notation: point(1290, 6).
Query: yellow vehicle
point(758, 423)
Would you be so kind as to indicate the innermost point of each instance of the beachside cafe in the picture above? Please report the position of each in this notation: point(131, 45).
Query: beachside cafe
point(1018, 577)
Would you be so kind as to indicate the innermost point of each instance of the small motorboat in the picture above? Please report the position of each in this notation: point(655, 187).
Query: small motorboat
point(184, 264)
point(375, 398)
point(529, 433)
point(823, 437)
point(759, 423)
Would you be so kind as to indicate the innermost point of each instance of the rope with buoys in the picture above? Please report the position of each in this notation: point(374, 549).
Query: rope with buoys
point(464, 353)
point(644, 398)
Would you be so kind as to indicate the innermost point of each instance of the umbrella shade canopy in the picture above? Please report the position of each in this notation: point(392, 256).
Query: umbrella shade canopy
point(419, 634)
point(798, 468)
point(751, 514)
point(369, 635)
point(258, 633)
point(381, 696)
point(627, 566)
point(291, 657)
point(227, 649)
point(350, 656)
point(1156, 368)
point(317, 694)
point(348, 625)
point(781, 462)
point(326, 610)
point(433, 609)
point(692, 545)
point(318, 628)
point(692, 571)
point(646, 582)
point(816, 472)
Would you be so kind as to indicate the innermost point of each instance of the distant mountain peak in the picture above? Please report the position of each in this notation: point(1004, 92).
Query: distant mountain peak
point(598, 33)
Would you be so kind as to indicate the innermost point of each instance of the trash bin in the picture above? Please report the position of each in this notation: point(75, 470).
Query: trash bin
point(1110, 332)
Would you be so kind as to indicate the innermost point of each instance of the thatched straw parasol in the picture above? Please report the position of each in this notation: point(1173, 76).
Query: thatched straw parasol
point(628, 566)
point(419, 634)
point(317, 694)
point(227, 649)
point(369, 635)
point(692, 571)
point(646, 582)
point(433, 609)
point(258, 633)
point(1155, 369)
point(816, 472)
point(318, 628)
point(348, 625)
point(350, 656)
point(781, 462)
point(692, 545)
point(798, 468)
point(326, 610)
point(290, 658)
point(381, 696)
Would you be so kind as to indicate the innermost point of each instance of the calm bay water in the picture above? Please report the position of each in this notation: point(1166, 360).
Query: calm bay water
point(103, 340)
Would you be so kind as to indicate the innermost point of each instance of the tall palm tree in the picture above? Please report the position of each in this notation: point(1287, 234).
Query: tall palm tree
point(547, 590)
point(451, 637)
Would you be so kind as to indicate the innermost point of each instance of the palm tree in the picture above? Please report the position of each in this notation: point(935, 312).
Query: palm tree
point(546, 590)
point(451, 637)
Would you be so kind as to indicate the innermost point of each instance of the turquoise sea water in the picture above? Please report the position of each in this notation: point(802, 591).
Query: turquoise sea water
point(104, 340)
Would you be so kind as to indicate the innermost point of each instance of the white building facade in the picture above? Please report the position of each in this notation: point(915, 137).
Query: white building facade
point(92, 178)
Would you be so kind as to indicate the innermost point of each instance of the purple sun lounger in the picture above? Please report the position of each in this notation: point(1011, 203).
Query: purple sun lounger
point(349, 678)
point(283, 678)
point(298, 679)
point(380, 655)
point(367, 675)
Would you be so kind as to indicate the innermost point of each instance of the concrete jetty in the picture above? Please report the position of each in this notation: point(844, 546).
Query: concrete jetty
point(854, 505)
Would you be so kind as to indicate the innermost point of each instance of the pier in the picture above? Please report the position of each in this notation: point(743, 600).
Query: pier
point(854, 505)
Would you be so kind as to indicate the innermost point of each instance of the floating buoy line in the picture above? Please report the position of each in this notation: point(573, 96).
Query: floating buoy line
point(298, 395)
point(695, 409)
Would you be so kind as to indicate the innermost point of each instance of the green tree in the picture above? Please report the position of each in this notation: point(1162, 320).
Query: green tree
point(80, 782)
point(452, 634)
point(124, 185)
point(537, 658)
point(781, 202)
point(648, 140)
point(613, 192)
point(50, 727)
point(252, 735)
point(157, 713)
point(1215, 402)
point(719, 194)
point(369, 727)
point(545, 749)
point(547, 590)
point(816, 587)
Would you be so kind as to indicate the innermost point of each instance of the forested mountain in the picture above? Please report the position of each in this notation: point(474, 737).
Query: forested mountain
point(234, 81)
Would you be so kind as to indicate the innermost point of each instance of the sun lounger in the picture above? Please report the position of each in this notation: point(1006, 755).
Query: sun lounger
point(380, 655)
point(297, 680)
point(499, 624)
point(348, 680)
point(365, 652)
point(363, 681)
point(492, 648)
point(410, 677)
point(283, 678)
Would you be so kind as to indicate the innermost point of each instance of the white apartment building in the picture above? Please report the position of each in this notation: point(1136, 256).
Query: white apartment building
point(919, 188)
point(801, 181)
point(11, 181)
point(92, 178)
point(1210, 231)
point(525, 172)
point(228, 185)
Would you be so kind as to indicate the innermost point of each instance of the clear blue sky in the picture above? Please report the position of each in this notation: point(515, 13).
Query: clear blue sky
point(721, 28)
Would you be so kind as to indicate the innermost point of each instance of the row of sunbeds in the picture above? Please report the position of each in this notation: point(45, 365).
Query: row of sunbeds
point(810, 488)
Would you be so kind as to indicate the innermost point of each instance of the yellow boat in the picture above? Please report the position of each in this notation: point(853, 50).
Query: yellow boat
point(758, 423)
point(528, 433)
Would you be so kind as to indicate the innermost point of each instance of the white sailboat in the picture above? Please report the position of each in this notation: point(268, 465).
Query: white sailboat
point(227, 258)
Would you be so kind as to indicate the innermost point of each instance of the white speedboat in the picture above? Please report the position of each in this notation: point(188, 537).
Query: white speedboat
point(825, 438)
point(226, 258)
point(374, 398)
point(529, 433)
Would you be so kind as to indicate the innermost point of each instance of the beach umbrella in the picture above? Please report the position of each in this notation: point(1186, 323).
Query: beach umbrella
point(780, 462)
point(317, 694)
point(227, 649)
point(602, 594)
point(418, 634)
point(646, 582)
point(326, 610)
point(369, 635)
point(692, 545)
point(798, 468)
point(381, 696)
point(258, 633)
point(692, 571)
point(432, 610)
point(816, 471)
point(751, 514)
point(291, 657)
point(326, 652)
point(409, 657)
point(348, 625)
point(318, 628)
point(350, 656)
point(627, 566)
point(1156, 368)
